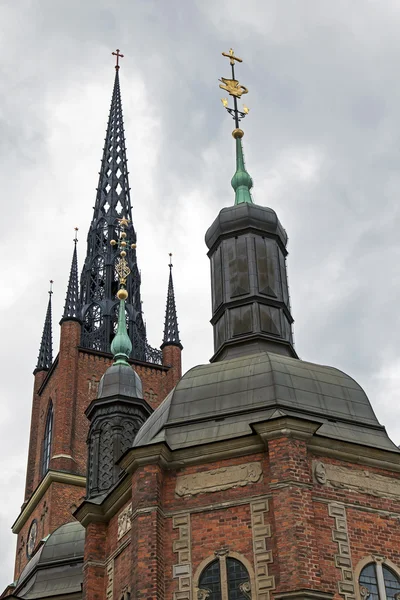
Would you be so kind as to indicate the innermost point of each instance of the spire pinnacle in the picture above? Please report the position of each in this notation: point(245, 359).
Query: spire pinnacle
point(241, 181)
point(171, 331)
point(72, 304)
point(121, 346)
point(118, 56)
point(45, 357)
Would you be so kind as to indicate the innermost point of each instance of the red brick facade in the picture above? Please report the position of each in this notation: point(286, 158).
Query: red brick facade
point(301, 525)
point(70, 386)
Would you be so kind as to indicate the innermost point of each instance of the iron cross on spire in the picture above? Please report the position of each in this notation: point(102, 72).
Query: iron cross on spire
point(234, 89)
point(118, 55)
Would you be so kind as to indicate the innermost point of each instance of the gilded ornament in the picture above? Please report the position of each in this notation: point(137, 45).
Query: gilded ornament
point(233, 87)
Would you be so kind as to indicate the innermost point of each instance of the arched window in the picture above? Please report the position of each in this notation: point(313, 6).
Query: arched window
point(377, 581)
point(47, 440)
point(224, 578)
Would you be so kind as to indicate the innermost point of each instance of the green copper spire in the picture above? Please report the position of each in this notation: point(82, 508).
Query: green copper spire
point(121, 346)
point(241, 181)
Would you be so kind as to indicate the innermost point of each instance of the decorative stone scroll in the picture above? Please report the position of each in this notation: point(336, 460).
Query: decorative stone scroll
point(124, 521)
point(262, 556)
point(358, 480)
point(218, 479)
point(343, 557)
point(183, 570)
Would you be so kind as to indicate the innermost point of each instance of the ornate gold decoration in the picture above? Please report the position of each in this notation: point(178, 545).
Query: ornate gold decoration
point(122, 267)
point(224, 101)
point(231, 56)
point(233, 87)
point(238, 133)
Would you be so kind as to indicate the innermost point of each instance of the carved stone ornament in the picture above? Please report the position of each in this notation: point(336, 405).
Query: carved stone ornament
point(320, 472)
point(364, 592)
point(218, 479)
point(224, 551)
point(124, 521)
point(203, 594)
point(245, 588)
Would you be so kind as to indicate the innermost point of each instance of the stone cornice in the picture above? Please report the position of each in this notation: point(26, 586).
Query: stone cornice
point(284, 426)
point(89, 512)
point(290, 427)
point(355, 453)
point(49, 478)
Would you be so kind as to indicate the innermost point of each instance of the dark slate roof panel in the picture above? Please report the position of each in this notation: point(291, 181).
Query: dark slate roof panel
point(248, 389)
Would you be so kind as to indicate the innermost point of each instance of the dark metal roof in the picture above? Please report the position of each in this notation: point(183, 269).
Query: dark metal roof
point(171, 331)
point(56, 568)
point(45, 357)
point(98, 280)
point(120, 380)
point(219, 401)
point(72, 307)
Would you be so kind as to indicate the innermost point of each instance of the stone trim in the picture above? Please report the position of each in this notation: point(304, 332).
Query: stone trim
point(182, 571)
point(223, 478)
point(124, 521)
point(343, 557)
point(363, 482)
point(110, 580)
point(262, 556)
point(48, 479)
point(361, 507)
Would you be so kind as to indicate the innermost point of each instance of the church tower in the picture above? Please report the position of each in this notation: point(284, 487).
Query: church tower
point(260, 476)
point(65, 386)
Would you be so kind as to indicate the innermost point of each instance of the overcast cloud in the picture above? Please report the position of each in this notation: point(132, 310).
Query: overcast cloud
point(322, 144)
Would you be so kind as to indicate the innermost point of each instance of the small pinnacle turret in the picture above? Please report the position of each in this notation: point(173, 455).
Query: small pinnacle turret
point(72, 310)
point(171, 331)
point(45, 358)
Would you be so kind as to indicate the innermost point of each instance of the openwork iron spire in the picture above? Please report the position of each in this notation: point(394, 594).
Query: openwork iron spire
point(45, 358)
point(241, 181)
point(171, 331)
point(72, 310)
point(99, 282)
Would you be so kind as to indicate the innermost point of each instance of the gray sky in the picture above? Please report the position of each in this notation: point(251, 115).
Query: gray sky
point(322, 144)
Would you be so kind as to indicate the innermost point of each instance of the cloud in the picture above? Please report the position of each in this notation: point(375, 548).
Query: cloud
point(321, 141)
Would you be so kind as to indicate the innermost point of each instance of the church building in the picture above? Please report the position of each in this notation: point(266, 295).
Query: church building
point(256, 475)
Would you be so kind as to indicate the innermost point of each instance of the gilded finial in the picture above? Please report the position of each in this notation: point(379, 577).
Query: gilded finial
point(121, 346)
point(241, 181)
point(234, 89)
point(122, 266)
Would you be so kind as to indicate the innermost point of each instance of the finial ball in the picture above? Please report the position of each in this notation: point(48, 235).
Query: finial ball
point(133, 246)
point(122, 294)
point(123, 253)
point(238, 133)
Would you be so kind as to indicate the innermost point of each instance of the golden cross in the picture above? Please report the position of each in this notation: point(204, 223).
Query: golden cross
point(231, 56)
point(118, 55)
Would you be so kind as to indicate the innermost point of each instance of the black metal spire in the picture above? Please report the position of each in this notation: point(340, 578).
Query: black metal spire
point(72, 310)
point(171, 331)
point(45, 358)
point(99, 282)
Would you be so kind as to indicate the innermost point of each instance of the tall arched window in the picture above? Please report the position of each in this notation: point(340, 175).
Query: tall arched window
point(224, 578)
point(377, 581)
point(47, 440)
